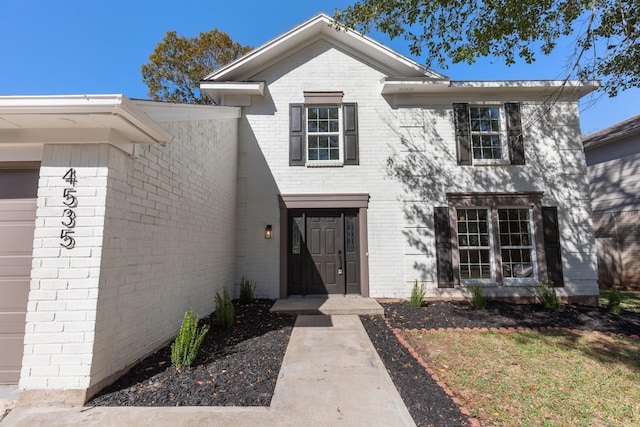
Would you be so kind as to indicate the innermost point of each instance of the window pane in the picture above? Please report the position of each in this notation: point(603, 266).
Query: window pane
point(516, 243)
point(473, 243)
point(486, 132)
point(474, 264)
point(323, 138)
point(350, 233)
point(295, 236)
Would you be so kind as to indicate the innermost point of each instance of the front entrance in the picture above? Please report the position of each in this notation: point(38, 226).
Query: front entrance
point(323, 252)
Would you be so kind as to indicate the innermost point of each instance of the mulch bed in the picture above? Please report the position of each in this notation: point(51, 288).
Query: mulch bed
point(240, 367)
point(460, 314)
point(237, 367)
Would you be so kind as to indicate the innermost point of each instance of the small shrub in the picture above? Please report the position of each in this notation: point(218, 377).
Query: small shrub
point(478, 300)
point(185, 347)
point(615, 299)
point(417, 295)
point(247, 291)
point(548, 297)
point(224, 310)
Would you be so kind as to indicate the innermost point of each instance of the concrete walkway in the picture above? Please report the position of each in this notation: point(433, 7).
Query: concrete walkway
point(331, 376)
point(328, 305)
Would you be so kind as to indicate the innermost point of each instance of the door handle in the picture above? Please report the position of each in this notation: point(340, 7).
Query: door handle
point(339, 262)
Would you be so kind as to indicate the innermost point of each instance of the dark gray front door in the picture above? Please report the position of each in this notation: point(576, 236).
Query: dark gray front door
point(323, 252)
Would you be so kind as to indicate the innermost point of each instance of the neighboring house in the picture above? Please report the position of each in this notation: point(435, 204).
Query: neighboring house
point(330, 165)
point(613, 163)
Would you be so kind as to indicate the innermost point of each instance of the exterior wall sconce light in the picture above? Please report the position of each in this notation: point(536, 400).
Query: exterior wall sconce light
point(267, 232)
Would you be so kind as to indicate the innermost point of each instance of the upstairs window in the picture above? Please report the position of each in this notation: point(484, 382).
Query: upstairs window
point(488, 134)
point(323, 134)
point(323, 131)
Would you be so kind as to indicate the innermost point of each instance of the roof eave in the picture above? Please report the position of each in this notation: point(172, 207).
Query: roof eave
point(217, 91)
point(70, 106)
point(564, 89)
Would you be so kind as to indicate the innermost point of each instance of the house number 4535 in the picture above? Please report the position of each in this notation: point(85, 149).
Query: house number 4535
point(69, 214)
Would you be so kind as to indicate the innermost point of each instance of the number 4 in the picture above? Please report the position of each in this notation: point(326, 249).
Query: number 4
point(70, 176)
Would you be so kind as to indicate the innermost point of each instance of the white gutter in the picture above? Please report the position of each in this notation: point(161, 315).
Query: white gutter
point(117, 105)
point(429, 86)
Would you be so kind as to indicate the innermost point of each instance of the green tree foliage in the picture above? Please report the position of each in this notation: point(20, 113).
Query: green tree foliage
point(177, 64)
point(606, 32)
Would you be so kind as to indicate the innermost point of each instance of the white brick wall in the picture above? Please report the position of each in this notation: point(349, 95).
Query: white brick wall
point(169, 239)
point(400, 215)
point(64, 283)
point(154, 236)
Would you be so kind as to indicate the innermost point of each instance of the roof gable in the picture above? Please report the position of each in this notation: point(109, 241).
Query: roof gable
point(320, 26)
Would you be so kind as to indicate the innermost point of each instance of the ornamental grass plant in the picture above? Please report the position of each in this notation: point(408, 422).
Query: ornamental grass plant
point(247, 290)
point(225, 312)
point(185, 347)
point(417, 295)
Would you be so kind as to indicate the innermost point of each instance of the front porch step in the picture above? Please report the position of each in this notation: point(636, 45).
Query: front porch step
point(328, 305)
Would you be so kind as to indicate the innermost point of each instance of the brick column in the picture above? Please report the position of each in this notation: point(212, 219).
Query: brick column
point(61, 313)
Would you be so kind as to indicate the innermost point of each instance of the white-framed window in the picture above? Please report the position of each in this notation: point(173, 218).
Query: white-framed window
point(474, 244)
point(323, 131)
point(495, 242)
point(488, 134)
point(517, 251)
point(324, 135)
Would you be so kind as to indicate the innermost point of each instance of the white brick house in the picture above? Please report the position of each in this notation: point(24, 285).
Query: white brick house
point(366, 171)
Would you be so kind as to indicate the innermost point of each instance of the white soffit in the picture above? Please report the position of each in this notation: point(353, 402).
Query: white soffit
point(282, 46)
point(564, 89)
point(76, 119)
point(217, 90)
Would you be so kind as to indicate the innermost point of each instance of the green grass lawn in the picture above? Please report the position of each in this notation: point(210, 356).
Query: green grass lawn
point(538, 378)
point(630, 301)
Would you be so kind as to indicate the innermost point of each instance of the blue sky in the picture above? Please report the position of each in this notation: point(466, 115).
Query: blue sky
point(97, 46)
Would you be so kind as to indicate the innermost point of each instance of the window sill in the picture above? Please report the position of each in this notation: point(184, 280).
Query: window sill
point(501, 162)
point(530, 281)
point(324, 164)
point(493, 284)
point(479, 282)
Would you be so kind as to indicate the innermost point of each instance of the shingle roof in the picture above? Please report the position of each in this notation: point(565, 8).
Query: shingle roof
point(619, 130)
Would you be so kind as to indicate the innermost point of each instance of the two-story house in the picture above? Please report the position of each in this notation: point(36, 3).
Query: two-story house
point(330, 165)
point(374, 172)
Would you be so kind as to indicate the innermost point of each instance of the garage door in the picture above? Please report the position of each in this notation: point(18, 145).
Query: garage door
point(18, 188)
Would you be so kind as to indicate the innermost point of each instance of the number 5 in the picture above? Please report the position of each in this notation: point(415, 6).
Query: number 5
point(69, 242)
point(71, 200)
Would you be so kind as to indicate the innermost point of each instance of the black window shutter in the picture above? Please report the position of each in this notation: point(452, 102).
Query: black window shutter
point(443, 247)
point(514, 132)
point(552, 250)
point(463, 132)
point(297, 155)
point(350, 127)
